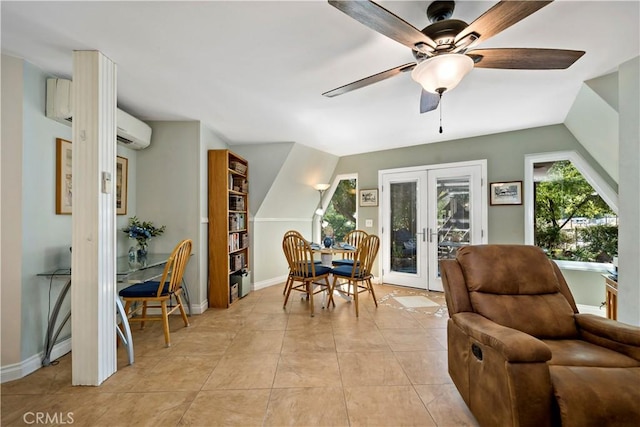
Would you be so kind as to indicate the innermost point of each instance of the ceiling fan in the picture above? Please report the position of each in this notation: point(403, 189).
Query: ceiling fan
point(443, 50)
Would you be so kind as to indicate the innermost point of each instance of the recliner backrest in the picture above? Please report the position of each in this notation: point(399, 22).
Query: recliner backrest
point(516, 286)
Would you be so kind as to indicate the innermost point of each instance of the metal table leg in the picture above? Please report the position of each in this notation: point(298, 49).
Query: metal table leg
point(126, 336)
point(186, 295)
point(52, 336)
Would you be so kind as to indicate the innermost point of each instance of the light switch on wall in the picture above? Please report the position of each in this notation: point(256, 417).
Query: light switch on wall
point(106, 182)
point(368, 223)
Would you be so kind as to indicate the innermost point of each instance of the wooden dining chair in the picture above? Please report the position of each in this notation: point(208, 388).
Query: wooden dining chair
point(357, 277)
point(142, 295)
point(313, 278)
point(287, 233)
point(353, 238)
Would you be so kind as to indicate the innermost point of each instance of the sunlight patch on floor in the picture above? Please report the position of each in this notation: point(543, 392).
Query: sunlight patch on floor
point(416, 301)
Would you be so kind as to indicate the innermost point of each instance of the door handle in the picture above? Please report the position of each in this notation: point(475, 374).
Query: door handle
point(423, 234)
point(431, 234)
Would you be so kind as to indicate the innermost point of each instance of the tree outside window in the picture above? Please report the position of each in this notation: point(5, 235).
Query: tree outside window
point(572, 222)
point(340, 217)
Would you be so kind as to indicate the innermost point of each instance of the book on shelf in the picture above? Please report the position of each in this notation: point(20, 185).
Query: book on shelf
point(239, 184)
point(236, 203)
point(237, 221)
point(238, 241)
point(237, 262)
point(238, 166)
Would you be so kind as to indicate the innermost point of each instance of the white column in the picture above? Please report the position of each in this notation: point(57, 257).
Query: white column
point(93, 286)
point(629, 211)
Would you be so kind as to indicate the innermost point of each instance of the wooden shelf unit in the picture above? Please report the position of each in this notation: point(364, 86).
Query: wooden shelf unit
point(611, 297)
point(228, 209)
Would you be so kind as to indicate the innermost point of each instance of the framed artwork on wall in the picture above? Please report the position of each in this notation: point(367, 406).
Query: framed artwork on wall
point(63, 177)
point(122, 175)
point(505, 193)
point(369, 197)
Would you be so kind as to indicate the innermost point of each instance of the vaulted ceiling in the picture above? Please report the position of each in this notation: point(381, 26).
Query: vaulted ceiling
point(254, 72)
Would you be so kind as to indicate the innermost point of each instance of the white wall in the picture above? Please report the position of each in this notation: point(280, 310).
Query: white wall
point(289, 203)
point(11, 212)
point(629, 213)
point(168, 190)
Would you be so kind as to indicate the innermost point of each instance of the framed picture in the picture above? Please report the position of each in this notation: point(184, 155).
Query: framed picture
point(369, 197)
point(63, 176)
point(122, 174)
point(505, 193)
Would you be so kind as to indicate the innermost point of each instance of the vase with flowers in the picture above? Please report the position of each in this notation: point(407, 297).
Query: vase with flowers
point(141, 232)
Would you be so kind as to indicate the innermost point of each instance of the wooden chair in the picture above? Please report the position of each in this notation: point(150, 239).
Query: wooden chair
point(169, 286)
point(353, 238)
point(295, 232)
point(358, 275)
point(303, 269)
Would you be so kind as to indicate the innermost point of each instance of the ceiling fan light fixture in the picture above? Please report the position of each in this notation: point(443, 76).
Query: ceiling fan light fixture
point(442, 72)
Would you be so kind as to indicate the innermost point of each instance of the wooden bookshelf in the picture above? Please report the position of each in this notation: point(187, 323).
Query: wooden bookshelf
point(228, 224)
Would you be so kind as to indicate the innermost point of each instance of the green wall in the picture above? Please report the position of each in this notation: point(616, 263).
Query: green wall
point(505, 162)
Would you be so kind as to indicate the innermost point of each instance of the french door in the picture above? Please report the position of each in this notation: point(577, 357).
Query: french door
point(427, 214)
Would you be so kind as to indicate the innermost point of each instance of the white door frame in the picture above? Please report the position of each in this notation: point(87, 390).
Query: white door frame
point(483, 220)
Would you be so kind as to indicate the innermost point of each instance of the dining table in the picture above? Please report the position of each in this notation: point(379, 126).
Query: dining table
point(327, 255)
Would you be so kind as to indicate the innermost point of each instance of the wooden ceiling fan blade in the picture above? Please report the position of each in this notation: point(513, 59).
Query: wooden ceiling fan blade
point(500, 17)
point(524, 58)
point(385, 22)
point(370, 80)
point(428, 101)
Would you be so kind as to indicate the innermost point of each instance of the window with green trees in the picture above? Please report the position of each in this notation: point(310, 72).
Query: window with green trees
point(572, 222)
point(340, 217)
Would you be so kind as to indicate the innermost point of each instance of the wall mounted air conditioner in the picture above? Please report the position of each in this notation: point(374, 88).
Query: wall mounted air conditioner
point(132, 133)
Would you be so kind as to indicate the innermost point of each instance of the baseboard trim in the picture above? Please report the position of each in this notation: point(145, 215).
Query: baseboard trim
point(19, 370)
point(270, 282)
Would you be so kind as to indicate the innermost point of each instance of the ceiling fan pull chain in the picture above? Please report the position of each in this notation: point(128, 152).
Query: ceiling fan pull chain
point(440, 91)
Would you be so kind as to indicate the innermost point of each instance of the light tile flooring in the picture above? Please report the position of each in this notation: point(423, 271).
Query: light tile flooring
point(256, 364)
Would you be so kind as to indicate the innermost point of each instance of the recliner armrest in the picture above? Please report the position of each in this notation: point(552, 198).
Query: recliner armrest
point(515, 346)
point(609, 329)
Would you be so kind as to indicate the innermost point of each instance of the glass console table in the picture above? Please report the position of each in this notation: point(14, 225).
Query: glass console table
point(126, 273)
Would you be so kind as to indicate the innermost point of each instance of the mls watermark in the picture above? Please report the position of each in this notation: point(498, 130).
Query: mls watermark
point(59, 418)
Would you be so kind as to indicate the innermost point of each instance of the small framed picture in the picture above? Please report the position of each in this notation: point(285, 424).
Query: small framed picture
point(505, 193)
point(369, 197)
point(63, 176)
point(122, 172)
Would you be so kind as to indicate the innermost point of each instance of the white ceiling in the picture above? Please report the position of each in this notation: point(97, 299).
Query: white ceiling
point(254, 72)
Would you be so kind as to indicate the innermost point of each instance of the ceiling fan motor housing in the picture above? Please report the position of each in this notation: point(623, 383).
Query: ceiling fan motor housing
point(440, 10)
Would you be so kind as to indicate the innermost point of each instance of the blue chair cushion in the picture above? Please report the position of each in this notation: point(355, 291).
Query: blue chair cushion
point(144, 289)
point(320, 270)
point(345, 271)
point(340, 262)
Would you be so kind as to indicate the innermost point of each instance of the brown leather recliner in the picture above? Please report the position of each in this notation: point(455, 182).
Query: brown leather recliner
point(519, 352)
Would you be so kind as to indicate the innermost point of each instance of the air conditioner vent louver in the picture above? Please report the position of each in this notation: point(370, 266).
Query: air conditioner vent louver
point(124, 140)
point(131, 132)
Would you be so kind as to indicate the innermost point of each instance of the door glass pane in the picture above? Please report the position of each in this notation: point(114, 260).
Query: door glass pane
point(403, 197)
point(453, 216)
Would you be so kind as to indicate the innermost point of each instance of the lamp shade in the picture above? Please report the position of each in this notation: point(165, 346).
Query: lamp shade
point(321, 187)
point(442, 72)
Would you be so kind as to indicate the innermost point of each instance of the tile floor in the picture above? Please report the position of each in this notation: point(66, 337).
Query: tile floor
point(256, 364)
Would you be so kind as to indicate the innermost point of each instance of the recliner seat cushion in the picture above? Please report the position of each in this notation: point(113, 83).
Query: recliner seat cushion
point(583, 353)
